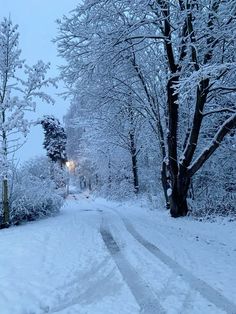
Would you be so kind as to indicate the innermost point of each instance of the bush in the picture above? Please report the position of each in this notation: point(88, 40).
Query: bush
point(215, 207)
point(34, 193)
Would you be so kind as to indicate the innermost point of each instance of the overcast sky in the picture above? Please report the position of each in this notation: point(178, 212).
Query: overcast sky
point(37, 27)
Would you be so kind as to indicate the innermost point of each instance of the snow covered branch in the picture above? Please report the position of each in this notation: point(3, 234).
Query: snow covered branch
point(226, 127)
point(220, 110)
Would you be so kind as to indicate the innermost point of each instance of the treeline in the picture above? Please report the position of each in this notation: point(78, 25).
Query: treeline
point(153, 88)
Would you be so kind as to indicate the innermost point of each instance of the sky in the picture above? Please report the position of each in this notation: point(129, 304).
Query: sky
point(37, 28)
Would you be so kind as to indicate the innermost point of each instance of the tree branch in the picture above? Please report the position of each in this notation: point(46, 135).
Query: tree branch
point(226, 127)
point(219, 110)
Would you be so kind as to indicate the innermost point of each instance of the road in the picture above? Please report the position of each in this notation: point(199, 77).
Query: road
point(145, 296)
point(101, 257)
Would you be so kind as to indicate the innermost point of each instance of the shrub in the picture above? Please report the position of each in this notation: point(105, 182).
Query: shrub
point(34, 193)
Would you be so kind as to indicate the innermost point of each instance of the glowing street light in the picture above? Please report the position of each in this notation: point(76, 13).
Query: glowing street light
point(70, 164)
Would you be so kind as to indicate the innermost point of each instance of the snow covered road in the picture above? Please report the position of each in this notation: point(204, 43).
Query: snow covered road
point(102, 257)
point(195, 283)
point(145, 297)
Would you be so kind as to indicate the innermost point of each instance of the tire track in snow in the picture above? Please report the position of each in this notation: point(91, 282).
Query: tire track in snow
point(143, 294)
point(202, 287)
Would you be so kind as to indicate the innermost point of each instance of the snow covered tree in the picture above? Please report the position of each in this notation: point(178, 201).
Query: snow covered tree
point(16, 98)
point(183, 78)
point(55, 139)
point(55, 144)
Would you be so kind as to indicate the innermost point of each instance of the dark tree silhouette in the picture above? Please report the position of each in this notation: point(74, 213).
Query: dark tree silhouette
point(55, 139)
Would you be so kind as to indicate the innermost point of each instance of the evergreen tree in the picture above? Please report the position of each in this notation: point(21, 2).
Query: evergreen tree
point(55, 139)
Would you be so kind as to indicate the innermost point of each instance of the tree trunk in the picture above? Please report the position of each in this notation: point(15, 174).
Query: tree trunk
point(165, 183)
point(5, 204)
point(89, 184)
point(135, 173)
point(5, 200)
point(178, 204)
point(178, 196)
point(133, 152)
point(109, 173)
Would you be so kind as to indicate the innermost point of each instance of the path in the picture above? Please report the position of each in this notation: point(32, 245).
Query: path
point(100, 257)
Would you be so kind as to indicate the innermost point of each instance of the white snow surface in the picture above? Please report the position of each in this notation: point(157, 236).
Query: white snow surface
point(102, 257)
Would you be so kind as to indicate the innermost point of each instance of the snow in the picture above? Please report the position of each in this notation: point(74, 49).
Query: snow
point(106, 257)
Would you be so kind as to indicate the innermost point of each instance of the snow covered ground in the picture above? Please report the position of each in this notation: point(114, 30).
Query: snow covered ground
point(100, 257)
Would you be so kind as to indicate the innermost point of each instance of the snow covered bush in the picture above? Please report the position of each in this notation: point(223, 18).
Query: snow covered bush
point(34, 194)
point(214, 188)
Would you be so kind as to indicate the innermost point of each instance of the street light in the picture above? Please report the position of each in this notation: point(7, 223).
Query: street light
point(70, 164)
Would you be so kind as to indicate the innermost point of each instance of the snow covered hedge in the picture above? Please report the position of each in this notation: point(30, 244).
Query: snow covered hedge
point(34, 193)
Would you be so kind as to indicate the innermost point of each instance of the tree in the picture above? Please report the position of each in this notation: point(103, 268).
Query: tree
point(183, 55)
point(55, 139)
point(16, 98)
point(55, 144)
point(205, 63)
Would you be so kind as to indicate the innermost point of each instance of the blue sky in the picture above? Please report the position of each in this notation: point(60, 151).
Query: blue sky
point(37, 27)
